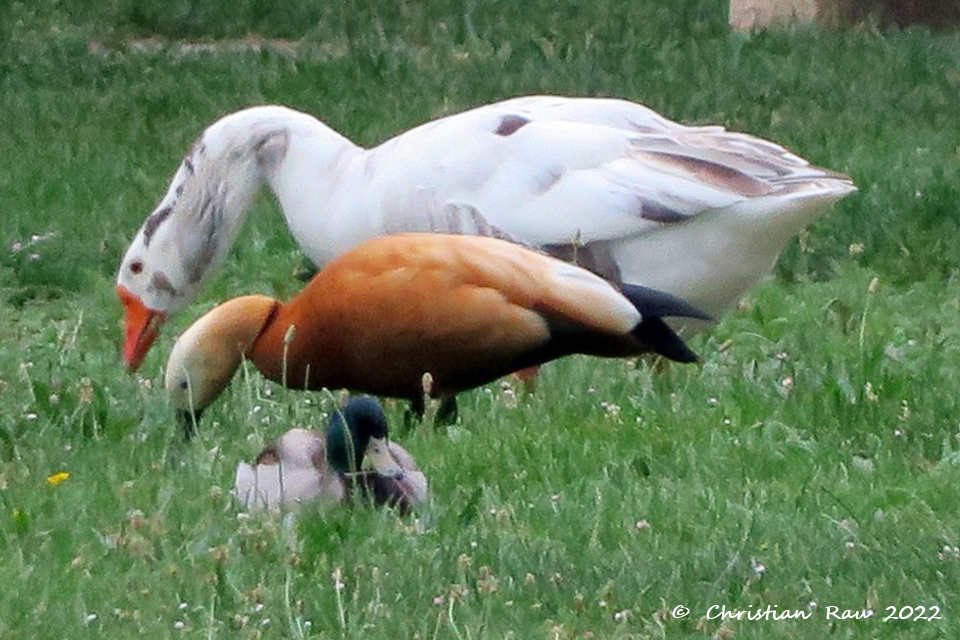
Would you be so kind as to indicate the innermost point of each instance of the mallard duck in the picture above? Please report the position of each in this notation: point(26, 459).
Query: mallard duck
point(465, 309)
point(698, 212)
point(305, 465)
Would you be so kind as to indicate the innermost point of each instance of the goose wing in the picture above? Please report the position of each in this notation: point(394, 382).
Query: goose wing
point(554, 171)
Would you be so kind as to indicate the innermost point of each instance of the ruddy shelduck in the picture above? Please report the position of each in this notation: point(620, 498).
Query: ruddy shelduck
point(465, 309)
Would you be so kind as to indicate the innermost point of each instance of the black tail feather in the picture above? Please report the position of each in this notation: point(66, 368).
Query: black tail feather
point(655, 305)
point(652, 333)
point(660, 338)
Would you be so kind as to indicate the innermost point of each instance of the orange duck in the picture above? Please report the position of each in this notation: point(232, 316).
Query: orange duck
point(466, 309)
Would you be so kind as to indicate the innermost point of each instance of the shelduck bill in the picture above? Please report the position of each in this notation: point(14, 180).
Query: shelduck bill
point(305, 466)
point(698, 212)
point(465, 309)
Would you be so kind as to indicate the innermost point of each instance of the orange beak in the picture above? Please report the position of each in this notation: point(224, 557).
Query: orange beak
point(142, 326)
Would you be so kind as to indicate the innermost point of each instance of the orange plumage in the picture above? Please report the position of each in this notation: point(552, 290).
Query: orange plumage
point(466, 309)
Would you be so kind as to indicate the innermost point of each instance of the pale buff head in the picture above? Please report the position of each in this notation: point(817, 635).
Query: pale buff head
point(205, 357)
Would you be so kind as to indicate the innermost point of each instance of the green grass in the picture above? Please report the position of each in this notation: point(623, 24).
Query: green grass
point(812, 458)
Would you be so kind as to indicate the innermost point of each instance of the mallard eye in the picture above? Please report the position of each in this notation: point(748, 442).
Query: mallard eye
point(136, 268)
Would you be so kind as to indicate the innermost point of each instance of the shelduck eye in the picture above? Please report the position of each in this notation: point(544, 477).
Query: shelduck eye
point(136, 268)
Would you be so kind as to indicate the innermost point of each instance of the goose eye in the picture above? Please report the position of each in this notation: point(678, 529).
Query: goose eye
point(184, 385)
point(136, 268)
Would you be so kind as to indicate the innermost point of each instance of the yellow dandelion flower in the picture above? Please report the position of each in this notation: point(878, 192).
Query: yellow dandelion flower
point(57, 478)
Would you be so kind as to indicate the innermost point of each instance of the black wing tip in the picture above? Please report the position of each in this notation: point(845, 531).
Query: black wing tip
point(659, 338)
point(660, 304)
point(657, 335)
point(653, 331)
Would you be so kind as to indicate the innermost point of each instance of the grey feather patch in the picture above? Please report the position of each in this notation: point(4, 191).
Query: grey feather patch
point(153, 223)
point(594, 257)
point(201, 259)
point(484, 228)
point(200, 248)
point(450, 218)
point(161, 282)
point(511, 124)
point(547, 180)
point(198, 149)
point(189, 168)
point(716, 174)
point(212, 206)
point(652, 210)
point(271, 149)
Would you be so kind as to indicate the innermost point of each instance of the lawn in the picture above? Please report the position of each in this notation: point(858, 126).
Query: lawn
point(809, 464)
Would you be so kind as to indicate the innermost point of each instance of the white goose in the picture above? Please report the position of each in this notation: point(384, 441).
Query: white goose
point(699, 212)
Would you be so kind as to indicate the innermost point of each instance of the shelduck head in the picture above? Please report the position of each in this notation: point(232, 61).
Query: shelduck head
point(205, 357)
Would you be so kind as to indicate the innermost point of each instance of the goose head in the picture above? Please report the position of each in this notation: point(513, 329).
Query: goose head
point(205, 357)
point(188, 235)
